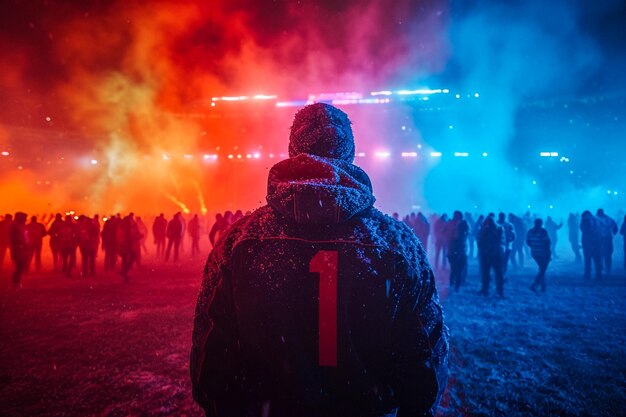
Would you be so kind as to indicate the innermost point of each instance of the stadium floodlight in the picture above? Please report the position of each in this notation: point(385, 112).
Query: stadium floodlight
point(382, 154)
point(461, 154)
point(256, 155)
point(554, 154)
point(294, 103)
point(264, 97)
point(409, 154)
point(418, 91)
point(544, 154)
point(435, 154)
point(381, 93)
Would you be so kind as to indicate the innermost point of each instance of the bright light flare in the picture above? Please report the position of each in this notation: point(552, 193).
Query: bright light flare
point(5, 153)
point(382, 154)
point(461, 154)
point(435, 154)
point(409, 154)
point(264, 97)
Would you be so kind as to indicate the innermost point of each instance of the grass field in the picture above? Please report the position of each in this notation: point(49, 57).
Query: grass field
point(99, 347)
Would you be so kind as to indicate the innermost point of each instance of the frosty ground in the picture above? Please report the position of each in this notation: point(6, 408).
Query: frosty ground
point(99, 347)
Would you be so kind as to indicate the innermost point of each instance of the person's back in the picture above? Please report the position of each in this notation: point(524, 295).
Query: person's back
point(317, 304)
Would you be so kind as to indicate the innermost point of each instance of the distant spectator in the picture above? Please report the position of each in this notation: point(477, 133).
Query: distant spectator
point(607, 229)
point(591, 244)
point(622, 232)
point(491, 244)
point(20, 247)
point(159, 227)
point(36, 232)
point(5, 241)
point(552, 228)
point(539, 243)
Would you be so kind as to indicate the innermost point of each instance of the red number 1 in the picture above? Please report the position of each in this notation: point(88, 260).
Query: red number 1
point(325, 264)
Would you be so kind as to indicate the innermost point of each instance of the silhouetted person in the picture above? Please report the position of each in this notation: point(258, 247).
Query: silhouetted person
point(193, 228)
point(476, 230)
point(607, 229)
point(517, 248)
point(36, 232)
point(439, 234)
point(217, 230)
point(539, 243)
point(590, 238)
point(317, 304)
point(528, 224)
point(458, 229)
point(20, 247)
point(88, 241)
point(491, 244)
point(159, 227)
point(143, 231)
point(509, 238)
point(552, 229)
point(128, 243)
point(68, 241)
point(471, 238)
point(572, 226)
point(55, 245)
point(174, 228)
point(5, 241)
point(622, 231)
point(422, 230)
point(109, 243)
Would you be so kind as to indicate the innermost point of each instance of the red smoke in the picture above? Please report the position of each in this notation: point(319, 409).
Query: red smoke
point(126, 83)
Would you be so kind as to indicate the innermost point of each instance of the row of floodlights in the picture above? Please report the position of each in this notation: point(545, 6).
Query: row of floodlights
point(373, 97)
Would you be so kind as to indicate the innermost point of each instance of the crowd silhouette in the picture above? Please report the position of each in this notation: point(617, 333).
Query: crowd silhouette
point(496, 242)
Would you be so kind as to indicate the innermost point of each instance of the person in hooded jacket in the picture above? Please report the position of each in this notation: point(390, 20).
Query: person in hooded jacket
point(573, 234)
point(422, 230)
point(317, 304)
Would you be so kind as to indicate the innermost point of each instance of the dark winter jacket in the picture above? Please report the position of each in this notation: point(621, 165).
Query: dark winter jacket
point(491, 239)
point(318, 305)
point(590, 238)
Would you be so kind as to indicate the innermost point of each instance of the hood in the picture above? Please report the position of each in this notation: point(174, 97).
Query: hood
point(314, 189)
